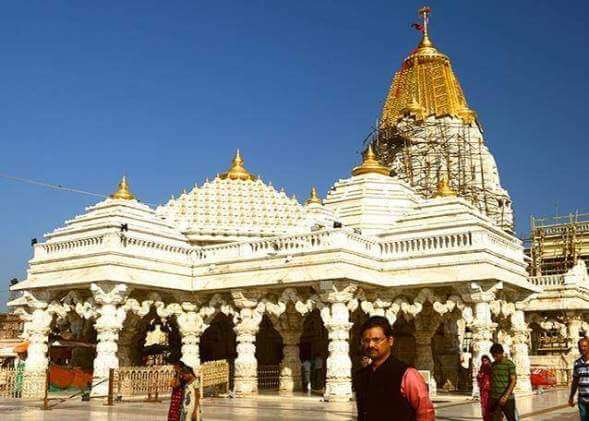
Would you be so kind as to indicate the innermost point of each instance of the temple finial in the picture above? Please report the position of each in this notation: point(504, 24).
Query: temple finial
point(314, 198)
point(123, 191)
point(424, 12)
point(237, 170)
point(370, 164)
point(444, 189)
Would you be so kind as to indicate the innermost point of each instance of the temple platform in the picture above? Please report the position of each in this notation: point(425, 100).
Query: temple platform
point(547, 406)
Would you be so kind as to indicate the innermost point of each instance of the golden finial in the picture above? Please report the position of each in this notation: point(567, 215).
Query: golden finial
point(237, 170)
point(123, 191)
point(314, 198)
point(370, 164)
point(444, 189)
point(424, 13)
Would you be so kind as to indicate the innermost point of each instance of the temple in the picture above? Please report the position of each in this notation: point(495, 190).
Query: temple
point(420, 231)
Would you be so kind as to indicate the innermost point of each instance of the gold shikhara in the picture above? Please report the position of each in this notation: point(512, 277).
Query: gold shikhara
point(123, 191)
point(237, 170)
point(425, 86)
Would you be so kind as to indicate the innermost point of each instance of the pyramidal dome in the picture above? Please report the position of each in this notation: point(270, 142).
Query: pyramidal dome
point(234, 205)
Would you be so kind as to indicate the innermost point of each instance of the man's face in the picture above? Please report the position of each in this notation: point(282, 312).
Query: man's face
point(497, 356)
point(375, 344)
point(584, 347)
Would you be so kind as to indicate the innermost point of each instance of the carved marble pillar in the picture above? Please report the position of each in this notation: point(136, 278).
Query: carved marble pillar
point(191, 326)
point(336, 318)
point(247, 326)
point(108, 325)
point(37, 315)
point(482, 338)
point(37, 359)
point(520, 351)
point(574, 324)
point(290, 327)
point(426, 325)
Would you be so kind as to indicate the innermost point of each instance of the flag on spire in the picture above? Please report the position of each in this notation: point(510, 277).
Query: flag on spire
point(418, 26)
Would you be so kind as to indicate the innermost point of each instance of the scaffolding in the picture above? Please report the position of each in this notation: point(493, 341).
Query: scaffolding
point(423, 152)
point(557, 242)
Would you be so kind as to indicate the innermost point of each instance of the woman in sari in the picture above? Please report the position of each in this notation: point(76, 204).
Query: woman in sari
point(484, 382)
point(177, 393)
point(191, 410)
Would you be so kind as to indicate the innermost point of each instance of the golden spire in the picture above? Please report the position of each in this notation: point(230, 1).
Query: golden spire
point(444, 189)
point(314, 198)
point(370, 164)
point(237, 170)
point(425, 85)
point(123, 191)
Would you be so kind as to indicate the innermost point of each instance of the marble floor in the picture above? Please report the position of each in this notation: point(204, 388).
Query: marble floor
point(547, 406)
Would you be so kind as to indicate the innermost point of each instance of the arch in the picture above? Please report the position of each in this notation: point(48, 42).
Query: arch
point(218, 342)
point(313, 349)
point(269, 354)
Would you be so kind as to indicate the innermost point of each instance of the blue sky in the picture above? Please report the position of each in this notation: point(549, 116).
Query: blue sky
point(165, 92)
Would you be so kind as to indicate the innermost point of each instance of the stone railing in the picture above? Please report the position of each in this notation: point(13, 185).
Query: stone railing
point(14, 386)
point(133, 245)
point(215, 373)
point(285, 245)
point(425, 245)
point(58, 249)
point(341, 239)
point(157, 249)
point(547, 281)
point(143, 381)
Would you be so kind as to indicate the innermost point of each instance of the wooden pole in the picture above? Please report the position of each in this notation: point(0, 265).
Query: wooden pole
point(109, 398)
point(46, 392)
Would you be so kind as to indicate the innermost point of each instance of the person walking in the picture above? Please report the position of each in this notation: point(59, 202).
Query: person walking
point(581, 380)
point(177, 393)
point(484, 382)
point(503, 380)
point(191, 410)
point(388, 389)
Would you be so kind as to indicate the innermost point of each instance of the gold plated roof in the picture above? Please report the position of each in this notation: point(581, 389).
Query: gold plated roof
point(237, 170)
point(425, 86)
point(370, 164)
point(123, 191)
point(314, 198)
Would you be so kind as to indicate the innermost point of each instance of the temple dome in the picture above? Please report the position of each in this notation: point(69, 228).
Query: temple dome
point(424, 86)
point(230, 208)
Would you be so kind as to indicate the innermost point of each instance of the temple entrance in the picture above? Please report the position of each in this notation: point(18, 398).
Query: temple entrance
point(218, 340)
point(149, 341)
point(314, 352)
point(269, 355)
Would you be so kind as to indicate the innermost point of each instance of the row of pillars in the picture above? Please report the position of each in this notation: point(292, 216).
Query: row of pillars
point(336, 319)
